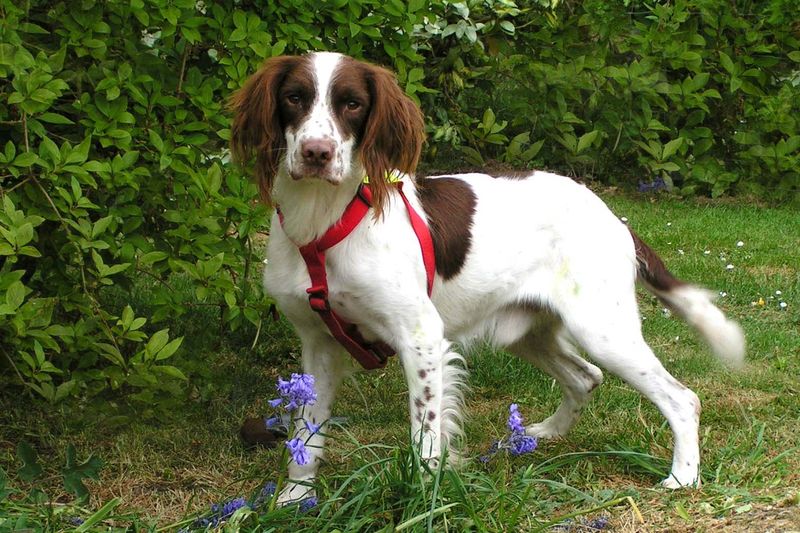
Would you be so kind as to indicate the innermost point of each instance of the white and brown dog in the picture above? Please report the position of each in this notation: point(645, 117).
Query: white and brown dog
point(535, 264)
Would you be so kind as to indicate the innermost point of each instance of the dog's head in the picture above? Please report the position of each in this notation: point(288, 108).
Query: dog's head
point(328, 117)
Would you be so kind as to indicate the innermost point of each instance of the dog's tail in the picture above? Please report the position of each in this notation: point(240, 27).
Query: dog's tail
point(693, 304)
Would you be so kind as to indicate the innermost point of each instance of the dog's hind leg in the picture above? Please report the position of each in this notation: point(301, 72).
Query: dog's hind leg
point(546, 347)
point(608, 328)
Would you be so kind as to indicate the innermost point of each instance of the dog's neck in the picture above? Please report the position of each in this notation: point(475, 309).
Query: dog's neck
point(311, 206)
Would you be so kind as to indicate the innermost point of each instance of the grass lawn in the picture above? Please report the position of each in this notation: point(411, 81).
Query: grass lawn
point(163, 472)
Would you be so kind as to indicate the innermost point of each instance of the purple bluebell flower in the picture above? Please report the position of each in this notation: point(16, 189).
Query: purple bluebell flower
point(297, 391)
point(519, 444)
point(220, 513)
point(228, 508)
point(308, 504)
point(598, 523)
point(298, 450)
point(312, 427)
point(655, 185)
point(515, 419)
point(275, 403)
point(267, 491)
point(272, 421)
point(269, 488)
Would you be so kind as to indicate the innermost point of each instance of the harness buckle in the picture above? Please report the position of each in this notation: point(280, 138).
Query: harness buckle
point(318, 299)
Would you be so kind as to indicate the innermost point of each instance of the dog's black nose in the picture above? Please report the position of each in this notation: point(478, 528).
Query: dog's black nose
point(317, 151)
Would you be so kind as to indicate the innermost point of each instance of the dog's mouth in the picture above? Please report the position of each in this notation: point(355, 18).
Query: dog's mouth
point(328, 171)
point(314, 173)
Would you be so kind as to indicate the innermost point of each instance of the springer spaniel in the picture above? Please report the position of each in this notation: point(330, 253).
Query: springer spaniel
point(537, 265)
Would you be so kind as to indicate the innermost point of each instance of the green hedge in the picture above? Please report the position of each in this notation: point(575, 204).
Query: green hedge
point(114, 170)
point(115, 176)
point(702, 94)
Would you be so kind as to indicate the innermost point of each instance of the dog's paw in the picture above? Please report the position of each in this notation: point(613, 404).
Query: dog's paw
point(672, 482)
point(295, 493)
point(545, 430)
point(433, 463)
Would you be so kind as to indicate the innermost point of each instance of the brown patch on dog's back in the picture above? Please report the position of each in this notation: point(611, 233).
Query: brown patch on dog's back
point(449, 204)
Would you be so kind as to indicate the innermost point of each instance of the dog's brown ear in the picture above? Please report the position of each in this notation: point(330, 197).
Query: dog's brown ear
point(393, 135)
point(256, 129)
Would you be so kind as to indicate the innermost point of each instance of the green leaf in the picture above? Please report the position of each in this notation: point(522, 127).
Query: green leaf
point(49, 150)
point(157, 341)
point(727, 63)
point(238, 34)
point(415, 5)
point(79, 153)
point(212, 266)
point(115, 269)
point(169, 349)
point(24, 234)
point(488, 119)
point(29, 27)
point(30, 469)
point(152, 257)
point(669, 166)
point(240, 18)
point(10, 151)
point(531, 152)
point(98, 516)
point(101, 226)
point(127, 317)
point(671, 147)
point(74, 473)
point(54, 118)
point(15, 295)
point(95, 166)
point(680, 510)
point(170, 371)
point(7, 53)
point(214, 179)
point(25, 159)
point(230, 299)
point(155, 140)
point(586, 140)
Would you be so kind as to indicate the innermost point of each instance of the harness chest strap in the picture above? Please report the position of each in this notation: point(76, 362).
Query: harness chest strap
point(369, 355)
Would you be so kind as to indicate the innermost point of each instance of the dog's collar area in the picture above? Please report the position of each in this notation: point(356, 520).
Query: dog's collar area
point(370, 355)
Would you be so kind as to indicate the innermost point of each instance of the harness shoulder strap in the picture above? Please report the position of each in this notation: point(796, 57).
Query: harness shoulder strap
point(369, 355)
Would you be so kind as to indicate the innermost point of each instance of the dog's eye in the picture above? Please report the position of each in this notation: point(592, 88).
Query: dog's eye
point(293, 98)
point(352, 105)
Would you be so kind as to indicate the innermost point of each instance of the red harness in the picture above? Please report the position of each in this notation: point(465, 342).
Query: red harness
point(370, 355)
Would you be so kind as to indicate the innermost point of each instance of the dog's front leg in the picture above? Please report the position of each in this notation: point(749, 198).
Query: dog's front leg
point(322, 358)
point(434, 375)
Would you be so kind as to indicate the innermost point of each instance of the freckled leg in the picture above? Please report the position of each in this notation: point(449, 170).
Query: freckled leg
point(435, 377)
point(323, 359)
point(423, 370)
